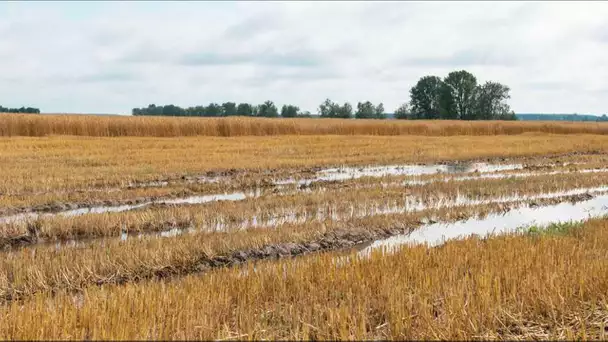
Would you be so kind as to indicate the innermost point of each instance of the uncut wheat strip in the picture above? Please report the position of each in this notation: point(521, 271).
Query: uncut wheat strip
point(41, 125)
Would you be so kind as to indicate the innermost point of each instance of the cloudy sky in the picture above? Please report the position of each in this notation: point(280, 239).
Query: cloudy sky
point(108, 57)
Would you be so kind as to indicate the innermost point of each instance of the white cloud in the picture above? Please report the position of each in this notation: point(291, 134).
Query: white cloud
point(111, 56)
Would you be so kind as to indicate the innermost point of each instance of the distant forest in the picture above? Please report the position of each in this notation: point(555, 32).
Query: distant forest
point(266, 109)
point(29, 110)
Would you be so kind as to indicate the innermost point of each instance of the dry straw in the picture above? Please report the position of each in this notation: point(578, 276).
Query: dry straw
point(514, 288)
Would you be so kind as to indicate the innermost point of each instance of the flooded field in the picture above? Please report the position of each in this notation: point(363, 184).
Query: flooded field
point(510, 222)
point(271, 231)
point(344, 173)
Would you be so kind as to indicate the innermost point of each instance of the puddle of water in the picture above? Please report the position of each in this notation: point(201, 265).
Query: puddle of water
point(17, 218)
point(237, 196)
point(152, 184)
point(428, 233)
point(414, 204)
point(116, 209)
point(410, 205)
point(188, 179)
point(411, 170)
point(205, 179)
point(501, 176)
point(100, 210)
point(437, 233)
point(171, 233)
point(467, 201)
point(345, 173)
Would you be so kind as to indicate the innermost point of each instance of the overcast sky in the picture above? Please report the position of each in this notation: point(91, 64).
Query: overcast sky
point(108, 57)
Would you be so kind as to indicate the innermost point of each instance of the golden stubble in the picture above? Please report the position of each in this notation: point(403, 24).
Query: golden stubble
point(56, 166)
point(512, 287)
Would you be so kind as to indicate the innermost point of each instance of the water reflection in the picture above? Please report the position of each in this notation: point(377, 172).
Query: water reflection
point(237, 196)
point(437, 233)
point(346, 173)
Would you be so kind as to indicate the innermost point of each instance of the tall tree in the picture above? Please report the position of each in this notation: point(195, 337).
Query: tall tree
point(490, 101)
point(365, 110)
point(214, 109)
point(154, 110)
point(425, 98)
point(379, 111)
point(290, 111)
point(457, 99)
point(329, 109)
point(268, 109)
point(172, 110)
point(229, 108)
point(196, 111)
point(345, 111)
point(403, 111)
point(244, 109)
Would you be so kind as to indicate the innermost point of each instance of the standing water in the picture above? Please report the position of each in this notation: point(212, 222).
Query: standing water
point(438, 233)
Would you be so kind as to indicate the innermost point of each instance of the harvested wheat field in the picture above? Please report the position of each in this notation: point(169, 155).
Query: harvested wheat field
point(232, 229)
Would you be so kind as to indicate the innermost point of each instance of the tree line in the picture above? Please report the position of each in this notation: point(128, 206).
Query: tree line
point(266, 109)
point(455, 97)
point(29, 110)
point(328, 109)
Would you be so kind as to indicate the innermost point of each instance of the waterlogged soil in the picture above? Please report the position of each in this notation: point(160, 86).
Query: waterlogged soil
point(513, 221)
point(454, 171)
point(304, 178)
point(269, 177)
point(576, 207)
point(98, 206)
point(412, 206)
point(409, 205)
point(346, 173)
point(343, 239)
point(320, 176)
point(502, 176)
point(140, 203)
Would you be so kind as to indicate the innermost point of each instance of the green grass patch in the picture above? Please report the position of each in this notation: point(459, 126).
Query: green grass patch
point(556, 229)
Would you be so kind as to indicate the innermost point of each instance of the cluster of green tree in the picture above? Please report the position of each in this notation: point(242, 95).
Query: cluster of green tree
point(29, 110)
point(365, 110)
point(457, 97)
point(562, 117)
point(266, 109)
point(328, 109)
